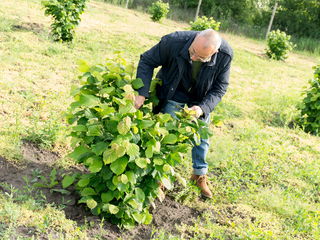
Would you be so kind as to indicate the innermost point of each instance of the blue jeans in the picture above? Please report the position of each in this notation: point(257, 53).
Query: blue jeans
point(199, 164)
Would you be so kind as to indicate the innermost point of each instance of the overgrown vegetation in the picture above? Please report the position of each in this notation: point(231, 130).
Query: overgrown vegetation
point(279, 45)
point(159, 10)
point(129, 152)
point(310, 107)
point(202, 23)
point(66, 16)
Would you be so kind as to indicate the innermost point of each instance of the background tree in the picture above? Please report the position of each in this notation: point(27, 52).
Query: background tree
point(299, 17)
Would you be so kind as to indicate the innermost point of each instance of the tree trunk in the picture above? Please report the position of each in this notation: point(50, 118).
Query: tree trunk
point(198, 9)
point(271, 19)
point(127, 3)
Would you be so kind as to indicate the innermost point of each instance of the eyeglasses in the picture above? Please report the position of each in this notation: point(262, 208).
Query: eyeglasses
point(192, 53)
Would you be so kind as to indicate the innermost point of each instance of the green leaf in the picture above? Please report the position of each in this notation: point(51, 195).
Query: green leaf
point(107, 197)
point(88, 192)
point(116, 180)
point(167, 183)
point(158, 161)
point(84, 199)
point(142, 162)
point(169, 139)
point(152, 147)
point(96, 74)
point(133, 150)
point(128, 88)
point(136, 205)
point(95, 130)
point(79, 152)
point(196, 139)
point(109, 156)
point(83, 66)
point(95, 166)
point(79, 128)
point(163, 118)
point(140, 194)
point(119, 165)
point(99, 148)
point(149, 152)
point(148, 218)
point(131, 177)
point(145, 124)
point(91, 203)
point(124, 178)
point(89, 100)
point(139, 217)
point(176, 157)
point(110, 185)
point(106, 110)
point(68, 180)
point(124, 126)
point(119, 150)
point(166, 168)
point(157, 147)
point(107, 90)
point(83, 182)
point(137, 83)
point(113, 209)
point(127, 108)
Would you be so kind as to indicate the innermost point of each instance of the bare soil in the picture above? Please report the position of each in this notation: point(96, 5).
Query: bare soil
point(29, 27)
point(166, 215)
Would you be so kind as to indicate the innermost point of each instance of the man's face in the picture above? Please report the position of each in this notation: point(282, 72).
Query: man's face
point(198, 52)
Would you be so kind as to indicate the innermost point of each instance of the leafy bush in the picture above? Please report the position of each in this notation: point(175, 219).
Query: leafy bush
point(310, 107)
point(66, 16)
point(127, 151)
point(278, 45)
point(159, 10)
point(203, 23)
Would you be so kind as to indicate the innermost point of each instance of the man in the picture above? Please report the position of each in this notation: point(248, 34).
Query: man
point(195, 69)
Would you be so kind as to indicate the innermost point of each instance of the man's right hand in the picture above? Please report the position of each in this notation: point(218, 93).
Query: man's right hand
point(139, 101)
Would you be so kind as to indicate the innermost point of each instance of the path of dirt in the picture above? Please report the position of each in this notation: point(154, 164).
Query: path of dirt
point(166, 215)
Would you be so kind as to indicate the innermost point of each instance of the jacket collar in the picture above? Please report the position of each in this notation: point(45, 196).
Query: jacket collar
point(184, 53)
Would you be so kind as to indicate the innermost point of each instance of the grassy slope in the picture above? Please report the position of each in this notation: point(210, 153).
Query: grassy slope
point(265, 176)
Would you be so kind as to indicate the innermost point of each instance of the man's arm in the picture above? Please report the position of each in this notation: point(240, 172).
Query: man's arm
point(156, 56)
point(217, 91)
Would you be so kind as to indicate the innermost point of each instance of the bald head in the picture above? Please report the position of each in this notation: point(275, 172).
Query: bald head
point(205, 44)
point(211, 37)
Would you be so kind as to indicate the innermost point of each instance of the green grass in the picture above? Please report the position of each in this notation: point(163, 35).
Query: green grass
point(264, 173)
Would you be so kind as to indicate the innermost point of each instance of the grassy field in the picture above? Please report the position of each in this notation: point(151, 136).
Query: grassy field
point(264, 174)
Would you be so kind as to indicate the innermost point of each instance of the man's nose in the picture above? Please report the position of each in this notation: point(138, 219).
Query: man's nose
point(193, 57)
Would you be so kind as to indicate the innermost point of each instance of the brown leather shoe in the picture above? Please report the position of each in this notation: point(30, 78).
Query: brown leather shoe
point(202, 184)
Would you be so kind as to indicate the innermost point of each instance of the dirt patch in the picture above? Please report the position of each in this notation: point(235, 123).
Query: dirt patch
point(40, 162)
point(27, 26)
point(32, 154)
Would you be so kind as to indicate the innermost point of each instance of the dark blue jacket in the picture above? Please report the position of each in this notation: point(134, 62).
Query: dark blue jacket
point(172, 54)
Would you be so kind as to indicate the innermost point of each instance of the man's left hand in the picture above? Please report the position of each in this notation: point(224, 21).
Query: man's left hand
point(198, 111)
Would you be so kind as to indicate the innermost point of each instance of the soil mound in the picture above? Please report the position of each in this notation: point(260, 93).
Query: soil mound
point(37, 161)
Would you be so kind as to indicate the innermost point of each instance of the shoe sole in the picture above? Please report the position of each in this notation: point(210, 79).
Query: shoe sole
point(206, 196)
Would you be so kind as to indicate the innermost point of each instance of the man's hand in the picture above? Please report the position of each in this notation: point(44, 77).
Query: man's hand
point(198, 111)
point(139, 101)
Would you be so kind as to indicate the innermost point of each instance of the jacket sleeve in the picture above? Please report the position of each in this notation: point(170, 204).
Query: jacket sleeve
point(156, 56)
point(218, 89)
